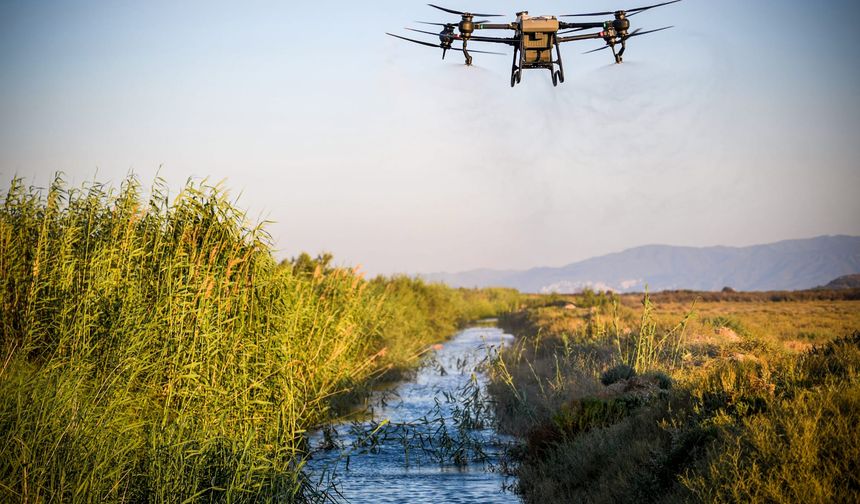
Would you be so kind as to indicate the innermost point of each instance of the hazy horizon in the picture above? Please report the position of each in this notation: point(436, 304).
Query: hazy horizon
point(645, 245)
point(728, 129)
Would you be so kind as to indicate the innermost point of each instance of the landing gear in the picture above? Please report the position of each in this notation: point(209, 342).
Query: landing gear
point(560, 73)
point(618, 55)
point(537, 59)
point(516, 72)
point(516, 77)
point(466, 54)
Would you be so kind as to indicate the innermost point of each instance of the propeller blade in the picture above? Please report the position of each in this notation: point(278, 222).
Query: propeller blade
point(572, 30)
point(608, 13)
point(634, 11)
point(482, 52)
point(595, 50)
point(452, 11)
point(428, 44)
point(637, 32)
point(643, 9)
point(436, 24)
point(482, 21)
point(451, 35)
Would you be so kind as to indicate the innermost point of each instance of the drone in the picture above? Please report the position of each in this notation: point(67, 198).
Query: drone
point(536, 37)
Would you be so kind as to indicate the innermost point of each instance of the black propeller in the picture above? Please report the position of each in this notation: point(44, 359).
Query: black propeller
point(442, 34)
point(449, 25)
point(628, 12)
point(572, 30)
point(446, 25)
point(428, 44)
point(635, 33)
point(469, 14)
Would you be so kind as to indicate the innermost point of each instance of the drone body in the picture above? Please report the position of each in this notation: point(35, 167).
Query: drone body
point(536, 38)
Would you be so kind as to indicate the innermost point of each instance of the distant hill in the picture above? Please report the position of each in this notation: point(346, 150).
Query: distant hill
point(844, 282)
point(785, 265)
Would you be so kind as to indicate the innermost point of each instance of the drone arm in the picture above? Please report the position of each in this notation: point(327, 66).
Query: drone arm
point(496, 26)
point(587, 36)
point(566, 26)
point(509, 41)
point(454, 36)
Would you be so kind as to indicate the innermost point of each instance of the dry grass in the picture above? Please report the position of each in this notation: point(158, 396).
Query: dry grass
point(783, 324)
point(762, 407)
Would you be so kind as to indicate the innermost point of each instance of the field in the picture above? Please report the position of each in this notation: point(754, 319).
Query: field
point(684, 397)
point(153, 350)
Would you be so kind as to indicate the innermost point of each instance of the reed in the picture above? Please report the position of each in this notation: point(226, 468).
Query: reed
point(153, 349)
point(647, 348)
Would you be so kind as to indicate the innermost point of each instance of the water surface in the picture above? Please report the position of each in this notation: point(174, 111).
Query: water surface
point(428, 439)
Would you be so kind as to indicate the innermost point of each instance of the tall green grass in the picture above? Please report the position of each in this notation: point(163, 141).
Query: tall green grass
point(153, 349)
point(646, 348)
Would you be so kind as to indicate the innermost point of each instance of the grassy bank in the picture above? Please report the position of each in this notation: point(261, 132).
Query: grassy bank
point(153, 349)
point(726, 401)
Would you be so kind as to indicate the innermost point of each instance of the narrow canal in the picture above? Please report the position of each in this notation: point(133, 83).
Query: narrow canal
point(427, 440)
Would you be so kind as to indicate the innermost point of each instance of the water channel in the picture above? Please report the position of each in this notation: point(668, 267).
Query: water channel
point(426, 440)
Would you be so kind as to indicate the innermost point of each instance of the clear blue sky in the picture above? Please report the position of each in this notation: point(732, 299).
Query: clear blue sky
point(739, 126)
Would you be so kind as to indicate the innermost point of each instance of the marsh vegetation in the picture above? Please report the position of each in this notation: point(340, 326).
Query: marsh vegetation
point(153, 350)
point(625, 399)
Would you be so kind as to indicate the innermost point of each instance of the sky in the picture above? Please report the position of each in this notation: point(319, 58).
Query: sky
point(738, 126)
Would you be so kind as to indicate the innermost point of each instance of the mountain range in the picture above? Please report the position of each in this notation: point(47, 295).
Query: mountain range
point(784, 265)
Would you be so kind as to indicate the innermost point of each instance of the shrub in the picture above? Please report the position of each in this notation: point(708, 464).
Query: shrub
point(663, 381)
point(617, 373)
